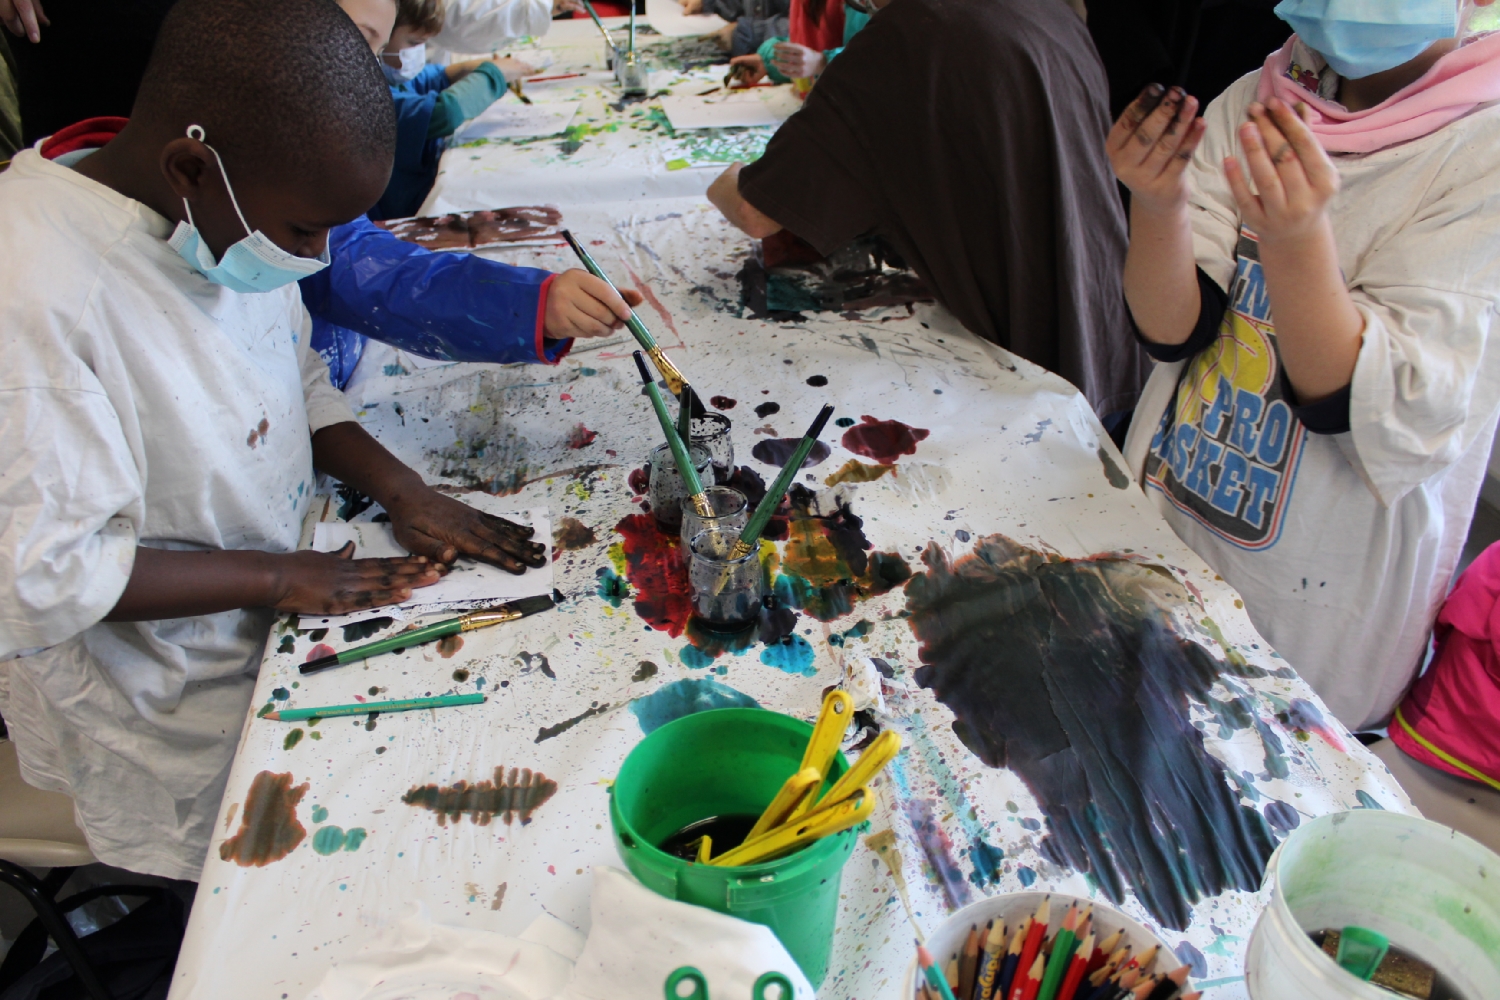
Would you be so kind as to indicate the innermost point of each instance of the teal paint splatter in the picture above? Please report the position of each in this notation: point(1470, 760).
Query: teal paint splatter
point(793, 654)
point(288, 644)
point(281, 694)
point(695, 658)
point(355, 838)
point(1026, 875)
point(319, 814)
point(1367, 801)
point(612, 587)
point(588, 371)
point(328, 840)
point(685, 697)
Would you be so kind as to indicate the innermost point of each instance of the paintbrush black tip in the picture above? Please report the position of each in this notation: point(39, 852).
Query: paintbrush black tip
point(821, 422)
point(321, 663)
point(531, 605)
point(640, 363)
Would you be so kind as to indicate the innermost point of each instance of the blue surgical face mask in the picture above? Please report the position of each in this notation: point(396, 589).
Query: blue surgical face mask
point(253, 264)
point(1360, 38)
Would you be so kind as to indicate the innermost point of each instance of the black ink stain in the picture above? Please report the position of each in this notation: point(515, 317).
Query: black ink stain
point(766, 409)
point(365, 629)
point(509, 796)
point(460, 675)
point(539, 660)
point(778, 451)
point(817, 381)
point(547, 732)
point(1068, 673)
point(269, 829)
point(288, 645)
point(645, 670)
point(1112, 471)
point(723, 402)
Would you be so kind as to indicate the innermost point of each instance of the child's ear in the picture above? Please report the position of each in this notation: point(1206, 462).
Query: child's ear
point(187, 165)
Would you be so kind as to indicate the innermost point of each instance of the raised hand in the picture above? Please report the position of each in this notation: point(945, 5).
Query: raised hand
point(1294, 178)
point(24, 18)
point(1150, 146)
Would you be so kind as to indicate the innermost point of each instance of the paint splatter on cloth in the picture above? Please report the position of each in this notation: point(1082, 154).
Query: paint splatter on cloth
point(509, 796)
point(1068, 672)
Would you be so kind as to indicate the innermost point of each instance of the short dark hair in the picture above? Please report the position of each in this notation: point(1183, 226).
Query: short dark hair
point(290, 85)
point(425, 16)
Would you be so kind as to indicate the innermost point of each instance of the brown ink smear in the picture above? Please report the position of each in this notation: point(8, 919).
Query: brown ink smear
point(855, 471)
point(269, 829)
point(258, 433)
point(499, 896)
point(517, 794)
point(570, 535)
point(449, 644)
point(471, 230)
point(883, 440)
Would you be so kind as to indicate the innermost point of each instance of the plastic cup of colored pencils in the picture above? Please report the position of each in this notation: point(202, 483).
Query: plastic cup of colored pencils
point(727, 588)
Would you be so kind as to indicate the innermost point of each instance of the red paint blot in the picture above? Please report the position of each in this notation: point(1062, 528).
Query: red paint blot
point(551, 870)
point(723, 402)
point(581, 437)
point(653, 565)
point(611, 453)
point(640, 480)
point(566, 397)
point(883, 440)
point(321, 649)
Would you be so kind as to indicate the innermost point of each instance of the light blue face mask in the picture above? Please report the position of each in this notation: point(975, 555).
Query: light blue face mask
point(1362, 37)
point(253, 264)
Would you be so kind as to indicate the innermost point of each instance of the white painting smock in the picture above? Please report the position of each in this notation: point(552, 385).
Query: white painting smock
point(140, 404)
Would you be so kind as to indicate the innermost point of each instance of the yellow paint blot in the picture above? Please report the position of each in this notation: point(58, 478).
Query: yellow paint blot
point(855, 471)
point(617, 558)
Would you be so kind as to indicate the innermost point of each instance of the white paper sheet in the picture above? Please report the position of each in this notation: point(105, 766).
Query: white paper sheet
point(514, 120)
point(470, 584)
point(667, 18)
point(757, 106)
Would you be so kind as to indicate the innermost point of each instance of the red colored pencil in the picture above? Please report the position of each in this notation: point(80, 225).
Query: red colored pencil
point(1033, 980)
point(1076, 968)
point(1103, 950)
point(1030, 950)
point(544, 79)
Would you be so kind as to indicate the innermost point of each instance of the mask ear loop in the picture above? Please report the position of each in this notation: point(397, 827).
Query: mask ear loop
point(196, 132)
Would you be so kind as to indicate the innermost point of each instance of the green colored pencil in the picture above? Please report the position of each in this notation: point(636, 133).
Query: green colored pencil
point(679, 448)
point(750, 537)
point(1063, 947)
point(668, 370)
point(365, 708)
point(428, 633)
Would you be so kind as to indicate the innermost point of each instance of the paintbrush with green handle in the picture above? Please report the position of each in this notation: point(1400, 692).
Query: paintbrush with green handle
point(679, 448)
point(372, 707)
point(685, 414)
point(750, 537)
point(600, 24)
point(430, 633)
point(669, 371)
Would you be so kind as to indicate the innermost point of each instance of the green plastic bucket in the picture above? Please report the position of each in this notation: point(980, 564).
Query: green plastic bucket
point(730, 761)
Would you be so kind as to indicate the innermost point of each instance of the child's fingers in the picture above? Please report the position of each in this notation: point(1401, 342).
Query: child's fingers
point(632, 298)
point(507, 527)
point(1283, 155)
point(1248, 204)
point(1262, 170)
point(420, 543)
point(1315, 164)
point(1161, 154)
point(1134, 117)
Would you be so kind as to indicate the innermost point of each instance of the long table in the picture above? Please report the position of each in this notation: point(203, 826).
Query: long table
point(1152, 752)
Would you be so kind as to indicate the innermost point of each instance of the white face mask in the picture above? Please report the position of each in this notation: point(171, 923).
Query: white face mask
point(413, 58)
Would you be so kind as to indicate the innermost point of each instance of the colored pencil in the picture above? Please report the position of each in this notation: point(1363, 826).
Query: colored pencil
point(1032, 981)
point(989, 963)
point(1144, 988)
point(558, 76)
point(1032, 947)
point(750, 537)
point(365, 708)
point(953, 973)
point(679, 448)
point(1076, 966)
point(968, 964)
point(1170, 984)
point(935, 981)
point(1104, 949)
point(1144, 959)
point(1012, 959)
point(430, 633)
point(1063, 945)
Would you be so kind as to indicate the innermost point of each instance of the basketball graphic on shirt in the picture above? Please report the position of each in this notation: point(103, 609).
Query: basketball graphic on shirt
point(1227, 449)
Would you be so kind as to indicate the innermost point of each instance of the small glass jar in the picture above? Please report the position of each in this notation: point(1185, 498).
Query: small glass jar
point(727, 593)
point(731, 512)
point(711, 431)
point(667, 491)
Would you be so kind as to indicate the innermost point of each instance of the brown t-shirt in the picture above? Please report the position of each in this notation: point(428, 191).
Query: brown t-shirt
point(970, 134)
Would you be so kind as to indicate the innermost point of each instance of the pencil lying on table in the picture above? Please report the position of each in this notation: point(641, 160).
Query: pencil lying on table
point(430, 633)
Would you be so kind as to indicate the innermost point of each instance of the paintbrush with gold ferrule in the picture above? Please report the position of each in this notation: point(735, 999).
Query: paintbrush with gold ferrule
point(679, 447)
point(668, 370)
point(429, 633)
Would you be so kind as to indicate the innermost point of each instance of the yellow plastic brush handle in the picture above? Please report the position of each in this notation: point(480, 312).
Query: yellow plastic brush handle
point(815, 826)
point(796, 790)
point(828, 733)
point(705, 849)
point(876, 756)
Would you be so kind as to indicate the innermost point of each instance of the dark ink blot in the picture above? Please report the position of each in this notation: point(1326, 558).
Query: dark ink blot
point(379, 751)
point(547, 732)
point(448, 645)
point(508, 796)
point(288, 645)
point(817, 381)
point(1112, 471)
point(644, 670)
point(723, 402)
point(269, 829)
point(748, 482)
point(845, 421)
point(639, 480)
point(1192, 958)
point(1282, 817)
point(363, 630)
point(778, 451)
point(374, 691)
point(883, 440)
point(766, 409)
point(318, 635)
point(460, 675)
point(612, 587)
point(292, 739)
point(1068, 673)
point(370, 721)
point(538, 660)
point(280, 694)
point(570, 535)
